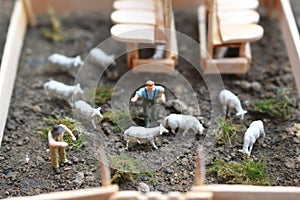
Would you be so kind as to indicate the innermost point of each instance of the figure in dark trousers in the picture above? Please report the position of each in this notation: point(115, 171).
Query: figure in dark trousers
point(150, 94)
point(57, 145)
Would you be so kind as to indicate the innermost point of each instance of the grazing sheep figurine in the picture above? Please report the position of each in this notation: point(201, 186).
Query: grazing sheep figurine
point(65, 63)
point(185, 122)
point(87, 111)
point(229, 101)
point(142, 135)
point(255, 130)
point(100, 57)
point(62, 91)
point(159, 52)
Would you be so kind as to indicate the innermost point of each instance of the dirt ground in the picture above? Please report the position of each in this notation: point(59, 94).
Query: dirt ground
point(173, 164)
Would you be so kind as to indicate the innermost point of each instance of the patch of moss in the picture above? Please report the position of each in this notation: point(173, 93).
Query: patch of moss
point(275, 107)
point(227, 132)
point(126, 168)
point(54, 32)
point(100, 95)
point(76, 127)
point(248, 172)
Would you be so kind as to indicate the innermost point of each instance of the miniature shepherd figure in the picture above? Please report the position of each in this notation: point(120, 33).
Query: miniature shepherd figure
point(150, 94)
point(57, 145)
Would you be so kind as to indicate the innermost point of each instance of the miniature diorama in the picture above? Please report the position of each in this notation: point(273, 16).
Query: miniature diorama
point(74, 134)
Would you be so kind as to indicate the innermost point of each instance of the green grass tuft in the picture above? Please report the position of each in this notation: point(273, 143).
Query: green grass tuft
point(248, 172)
point(126, 168)
point(227, 132)
point(76, 127)
point(275, 107)
point(100, 95)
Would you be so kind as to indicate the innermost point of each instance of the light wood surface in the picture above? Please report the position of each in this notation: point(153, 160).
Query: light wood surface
point(133, 4)
point(10, 59)
point(238, 17)
point(133, 17)
point(237, 4)
point(131, 33)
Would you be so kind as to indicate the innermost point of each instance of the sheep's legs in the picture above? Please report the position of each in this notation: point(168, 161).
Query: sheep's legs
point(153, 144)
point(94, 124)
point(184, 132)
point(127, 144)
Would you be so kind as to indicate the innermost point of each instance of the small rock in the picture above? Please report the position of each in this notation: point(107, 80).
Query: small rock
point(290, 164)
point(245, 85)
point(184, 161)
point(256, 86)
point(79, 179)
point(20, 142)
point(169, 170)
point(143, 187)
point(75, 159)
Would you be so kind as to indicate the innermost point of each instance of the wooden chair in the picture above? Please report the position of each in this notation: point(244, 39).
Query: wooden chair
point(230, 24)
point(145, 22)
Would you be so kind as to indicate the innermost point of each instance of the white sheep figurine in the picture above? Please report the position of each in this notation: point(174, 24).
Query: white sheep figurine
point(65, 63)
point(142, 135)
point(184, 122)
point(86, 110)
point(100, 57)
point(62, 91)
point(159, 52)
point(231, 101)
point(255, 130)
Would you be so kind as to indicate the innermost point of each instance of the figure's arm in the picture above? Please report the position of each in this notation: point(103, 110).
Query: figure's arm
point(53, 143)
point(162, 96)
point(135, 98)
point(69, 132)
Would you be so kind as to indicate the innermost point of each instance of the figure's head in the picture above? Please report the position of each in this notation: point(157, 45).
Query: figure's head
point(57, 130)
point(150, 85)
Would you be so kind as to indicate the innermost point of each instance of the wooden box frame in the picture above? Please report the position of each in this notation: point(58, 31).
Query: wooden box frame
point(24, 13)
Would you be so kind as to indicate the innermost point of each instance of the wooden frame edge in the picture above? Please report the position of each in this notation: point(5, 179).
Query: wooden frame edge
point(10, 59)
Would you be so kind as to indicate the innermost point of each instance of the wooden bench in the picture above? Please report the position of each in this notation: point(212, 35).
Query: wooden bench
point(145, 22)
point(230, 24)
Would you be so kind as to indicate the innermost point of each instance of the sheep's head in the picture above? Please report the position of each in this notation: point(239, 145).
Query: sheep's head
point(97, 112)
point(162, 129)
point(242, 113)
point(111, 60)
point(78, 89)
point(78, 62)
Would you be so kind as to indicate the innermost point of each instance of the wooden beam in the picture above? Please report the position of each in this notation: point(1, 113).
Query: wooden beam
point(30, 12)
point(237, 65)
point(247, 192)
point(291, 37)
point(63, 6)
point(103, 193)
point(10, 59)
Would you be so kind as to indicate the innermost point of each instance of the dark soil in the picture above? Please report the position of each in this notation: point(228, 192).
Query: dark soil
point(173, 164)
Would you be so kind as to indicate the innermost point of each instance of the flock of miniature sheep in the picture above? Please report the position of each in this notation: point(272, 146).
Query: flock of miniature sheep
point(138, 134)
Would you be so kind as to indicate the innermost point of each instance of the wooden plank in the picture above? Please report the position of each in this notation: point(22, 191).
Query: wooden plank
point(189, 4)
point(240, 33)
point(247, 192)
point(237, 65)
point(131, 33)
point(238, 4)
point(153, 66)
point(291, 37)
point(103, 193)
point(133, 17)
point(127, 195)
point(133, 5)
point(198, 196)
point(63, 6)
point(30, 12)
point(10, 59)
point(238, 17)
point(202, 33)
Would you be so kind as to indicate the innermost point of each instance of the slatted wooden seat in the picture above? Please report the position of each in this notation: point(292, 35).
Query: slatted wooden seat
point(145, 26)
point(231, 24)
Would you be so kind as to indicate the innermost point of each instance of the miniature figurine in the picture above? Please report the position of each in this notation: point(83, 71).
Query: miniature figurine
point(100, 57)
point(87, 111)
point(62, 91)
point(142, 135)
point(255, 130)
point(150, 94)
point(184, 122)
point(57, 145)
point(229, 101)
point(65, 62)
